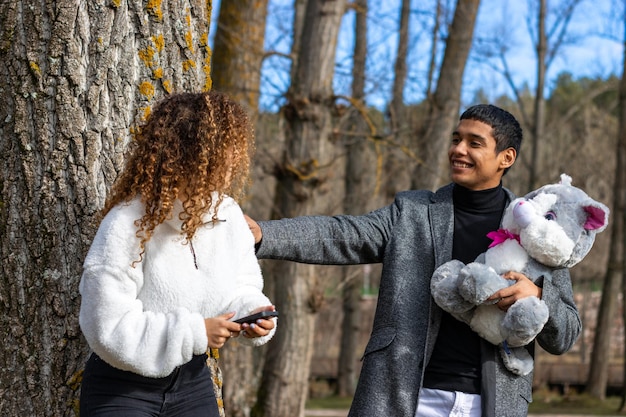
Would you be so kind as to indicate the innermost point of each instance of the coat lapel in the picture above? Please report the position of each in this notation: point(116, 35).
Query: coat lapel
point(441, 215)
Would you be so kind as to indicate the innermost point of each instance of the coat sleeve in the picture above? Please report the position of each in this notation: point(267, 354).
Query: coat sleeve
point(336, 240)
point(564, 324)
point(248, 292)
point(112, 318)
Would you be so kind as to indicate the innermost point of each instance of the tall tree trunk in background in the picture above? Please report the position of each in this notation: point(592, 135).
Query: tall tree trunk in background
point(299, 22)
point(237, 57)
point(238, 50)
point(305, 187)
point(398, 178)
point(359, 192)
point(447, 97)
point(600, 356)
point(619, 221)
point(540, 101)
point(432, 62)
point(73, 76)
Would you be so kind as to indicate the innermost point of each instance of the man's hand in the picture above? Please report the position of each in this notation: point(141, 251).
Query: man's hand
point(254, 228)
point(522, 288)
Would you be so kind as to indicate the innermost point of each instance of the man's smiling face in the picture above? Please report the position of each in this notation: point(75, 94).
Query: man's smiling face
point(474, 163)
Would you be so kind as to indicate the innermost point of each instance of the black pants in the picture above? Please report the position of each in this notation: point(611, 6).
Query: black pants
point(186, 392)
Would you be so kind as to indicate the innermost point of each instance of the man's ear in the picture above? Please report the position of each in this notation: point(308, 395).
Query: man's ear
point(507, 157)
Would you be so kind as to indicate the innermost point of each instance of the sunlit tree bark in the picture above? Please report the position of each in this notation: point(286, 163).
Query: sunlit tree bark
point(447, 97)
point(73, 77)
point(238, 50)
point(236, 70)
point(398, 177)
point(305, 174)
point(359, 193)
point(614, 277)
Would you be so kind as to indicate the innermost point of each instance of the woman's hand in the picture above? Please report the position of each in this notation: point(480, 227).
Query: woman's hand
point(523, 287)
point(219, 329)
point(261, 327)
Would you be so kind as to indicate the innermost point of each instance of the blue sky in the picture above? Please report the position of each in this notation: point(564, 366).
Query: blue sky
point(593, 50)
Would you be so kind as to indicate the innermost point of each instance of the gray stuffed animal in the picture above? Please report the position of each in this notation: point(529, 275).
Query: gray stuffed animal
point(549, 228)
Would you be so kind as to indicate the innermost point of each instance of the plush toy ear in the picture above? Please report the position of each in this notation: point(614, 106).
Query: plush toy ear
point(596, 218)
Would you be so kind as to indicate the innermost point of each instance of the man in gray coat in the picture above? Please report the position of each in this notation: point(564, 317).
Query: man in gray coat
point(420, 361)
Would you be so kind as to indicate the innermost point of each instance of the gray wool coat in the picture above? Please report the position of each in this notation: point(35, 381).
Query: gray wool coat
point(412, 237)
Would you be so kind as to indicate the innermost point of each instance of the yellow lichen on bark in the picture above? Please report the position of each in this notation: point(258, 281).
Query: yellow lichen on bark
point(167, 86)
point(146, 112)
point(189, 33)
point(34, 67)
point(154, 8)
point(116, 3)
point(147, 89)
point(206, 68)
point(147, 56)
point(157, 73)
point(188, 64)
point(189, 40)
point(159, 43)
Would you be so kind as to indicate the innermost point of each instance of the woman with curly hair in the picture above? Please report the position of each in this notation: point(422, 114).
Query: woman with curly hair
point(172, 264)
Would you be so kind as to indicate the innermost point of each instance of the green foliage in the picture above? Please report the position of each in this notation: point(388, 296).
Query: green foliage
point(568, 91)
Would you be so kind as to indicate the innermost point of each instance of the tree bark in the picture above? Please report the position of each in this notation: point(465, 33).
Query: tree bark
point(239, 49)
point(360, 185)
point(73, 75)
point(599, 364)
point(308, 169)
point(398, 177)
point(236, 70)
point(447, 97)
point(540, 101)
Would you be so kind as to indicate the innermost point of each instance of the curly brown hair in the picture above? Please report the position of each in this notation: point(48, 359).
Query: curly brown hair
point(191, 146)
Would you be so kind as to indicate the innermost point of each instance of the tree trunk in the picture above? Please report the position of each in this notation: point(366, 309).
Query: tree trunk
point(73, 75)
point(447, 97)
point(540, 102)
point(238, 50)
point(599, 364)
point(236, 70)
point(306, 186)
point(398, 178)
point(360, 185)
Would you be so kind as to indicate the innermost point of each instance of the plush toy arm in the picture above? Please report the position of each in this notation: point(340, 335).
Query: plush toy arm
point(517, 360)
point(444, 288)
point(564, 325)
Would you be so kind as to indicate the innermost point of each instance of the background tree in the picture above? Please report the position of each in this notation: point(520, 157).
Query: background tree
point(549, 30)
point(306, 175)
point(238, 50)
point(447, 97)
point(547, 44)
point(614, 277)
point(73, 76)
point(236, 70)
point(360, 187)
point(398, 151)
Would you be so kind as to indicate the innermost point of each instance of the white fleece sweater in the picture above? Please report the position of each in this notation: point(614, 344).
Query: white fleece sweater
point(149, 318)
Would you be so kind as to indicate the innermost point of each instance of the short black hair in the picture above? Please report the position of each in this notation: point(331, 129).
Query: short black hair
point(506, 129)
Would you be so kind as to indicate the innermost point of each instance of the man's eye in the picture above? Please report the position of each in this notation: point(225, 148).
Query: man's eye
point(550, 215)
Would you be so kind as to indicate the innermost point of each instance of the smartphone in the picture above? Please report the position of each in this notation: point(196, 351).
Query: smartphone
point(254, 317)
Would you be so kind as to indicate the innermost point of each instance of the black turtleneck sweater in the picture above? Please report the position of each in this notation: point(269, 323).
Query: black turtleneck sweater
point(455, 364)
